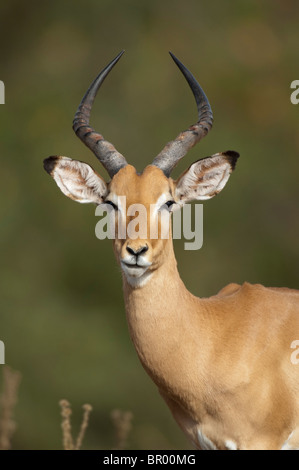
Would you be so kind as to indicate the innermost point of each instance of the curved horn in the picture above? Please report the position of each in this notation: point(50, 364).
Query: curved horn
point(111, 159)
point(177, 149)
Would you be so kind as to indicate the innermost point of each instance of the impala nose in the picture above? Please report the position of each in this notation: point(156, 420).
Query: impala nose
point(137, 252)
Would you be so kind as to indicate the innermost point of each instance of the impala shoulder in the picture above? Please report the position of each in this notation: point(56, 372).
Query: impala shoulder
point(268, 291)
point(246, 286)
point(246, 290)
point(229, 289)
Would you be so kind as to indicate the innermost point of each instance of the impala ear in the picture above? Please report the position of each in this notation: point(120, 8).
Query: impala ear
point(206, 177)
point(77, 180)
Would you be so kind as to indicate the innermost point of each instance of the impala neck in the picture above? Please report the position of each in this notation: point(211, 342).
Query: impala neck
point(159, 315)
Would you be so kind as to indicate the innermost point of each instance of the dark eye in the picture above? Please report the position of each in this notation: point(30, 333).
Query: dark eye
point(168, 205)
point(110, 203)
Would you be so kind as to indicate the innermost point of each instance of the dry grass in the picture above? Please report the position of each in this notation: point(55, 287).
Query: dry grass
point(122, 421)
point(8, 400)
point(67, 438)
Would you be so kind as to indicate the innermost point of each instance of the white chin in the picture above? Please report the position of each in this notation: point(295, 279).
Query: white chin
point(134, 271)
point(136, 276)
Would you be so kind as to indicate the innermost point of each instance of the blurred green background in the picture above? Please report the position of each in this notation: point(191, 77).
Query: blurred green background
point(62, 316)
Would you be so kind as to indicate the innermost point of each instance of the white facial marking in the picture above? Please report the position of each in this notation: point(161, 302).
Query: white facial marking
point(161, 200)
point(119, 201)
point(136, 269)
point(139, 281)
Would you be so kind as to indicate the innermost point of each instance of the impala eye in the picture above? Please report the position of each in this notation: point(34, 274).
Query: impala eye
point(110, 203)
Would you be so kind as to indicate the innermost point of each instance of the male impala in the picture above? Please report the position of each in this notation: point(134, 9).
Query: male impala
point(222, 364)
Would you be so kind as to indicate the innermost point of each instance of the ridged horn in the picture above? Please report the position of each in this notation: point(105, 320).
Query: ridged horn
point(110, 158)
point(172, 153)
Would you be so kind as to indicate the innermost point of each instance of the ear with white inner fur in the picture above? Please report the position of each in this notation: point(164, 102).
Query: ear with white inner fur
point(206, 177)
point(76, 179)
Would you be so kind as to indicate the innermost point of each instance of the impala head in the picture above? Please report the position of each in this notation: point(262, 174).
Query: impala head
point(153, 190)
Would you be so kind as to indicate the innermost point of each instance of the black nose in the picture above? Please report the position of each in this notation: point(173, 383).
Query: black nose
point(139, 251)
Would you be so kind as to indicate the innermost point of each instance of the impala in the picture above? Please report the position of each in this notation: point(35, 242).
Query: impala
point(222, 364)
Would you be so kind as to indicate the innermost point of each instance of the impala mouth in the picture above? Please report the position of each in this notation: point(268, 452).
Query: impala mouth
point(135, 269)
point(133, 262)
point(134, 265)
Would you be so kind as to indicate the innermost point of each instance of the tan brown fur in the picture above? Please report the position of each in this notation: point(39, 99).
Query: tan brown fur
point(222, 364)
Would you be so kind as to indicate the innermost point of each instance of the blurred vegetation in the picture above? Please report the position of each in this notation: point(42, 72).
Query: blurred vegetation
point(62, 316)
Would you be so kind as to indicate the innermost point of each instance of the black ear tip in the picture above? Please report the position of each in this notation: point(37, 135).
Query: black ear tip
point(232, 153)
point(50, 163)
point(232, 157)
